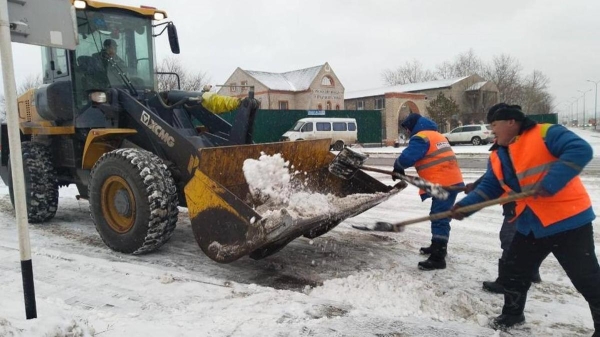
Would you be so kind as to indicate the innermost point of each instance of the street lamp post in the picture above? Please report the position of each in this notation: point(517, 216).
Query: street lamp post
point(576, 108)
point(595, 103)
point(583, 92)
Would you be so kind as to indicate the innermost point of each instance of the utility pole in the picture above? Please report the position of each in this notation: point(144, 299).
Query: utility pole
point(595, 103)
point(576, 108)
point(583, 92)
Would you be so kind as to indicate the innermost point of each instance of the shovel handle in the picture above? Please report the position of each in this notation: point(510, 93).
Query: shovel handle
point(467, 209)
point(409, 179)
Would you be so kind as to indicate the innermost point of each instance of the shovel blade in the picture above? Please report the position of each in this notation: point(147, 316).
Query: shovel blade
point(347, 163)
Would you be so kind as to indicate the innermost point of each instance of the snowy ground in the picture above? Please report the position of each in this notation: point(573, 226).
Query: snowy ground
point(345, 283)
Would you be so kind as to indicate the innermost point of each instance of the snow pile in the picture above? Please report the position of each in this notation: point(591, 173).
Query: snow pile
point(402, 293)
point(271, 183)
point(268, 178)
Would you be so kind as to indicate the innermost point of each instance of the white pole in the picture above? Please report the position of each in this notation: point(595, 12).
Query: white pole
point(16, 160)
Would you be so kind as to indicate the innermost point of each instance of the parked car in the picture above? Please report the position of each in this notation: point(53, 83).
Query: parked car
point(341, 131)
point(479, 134)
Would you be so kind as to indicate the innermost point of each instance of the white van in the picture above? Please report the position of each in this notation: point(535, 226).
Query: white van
point(342, 131)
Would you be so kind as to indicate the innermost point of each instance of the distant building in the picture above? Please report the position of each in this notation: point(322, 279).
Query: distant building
point(473, 94)
point(315, 88)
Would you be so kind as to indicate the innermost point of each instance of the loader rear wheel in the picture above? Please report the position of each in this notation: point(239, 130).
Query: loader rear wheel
point(41, 184)
point(133, 201)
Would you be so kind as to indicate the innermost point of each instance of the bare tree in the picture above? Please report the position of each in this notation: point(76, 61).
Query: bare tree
point(189, 81)
point(531, 92)
point(535, 98)
point(445, 70)
point(30, 82)
point(410, 72)
point(467, 64)
point(505, 71)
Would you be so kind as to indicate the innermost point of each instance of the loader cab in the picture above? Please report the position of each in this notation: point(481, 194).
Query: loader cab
point(129, 31)
point(115, 50)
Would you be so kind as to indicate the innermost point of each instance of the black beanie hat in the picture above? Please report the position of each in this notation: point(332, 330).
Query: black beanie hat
point(503, 111)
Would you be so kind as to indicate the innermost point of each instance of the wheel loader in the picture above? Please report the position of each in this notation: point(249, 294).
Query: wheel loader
point(137, 154)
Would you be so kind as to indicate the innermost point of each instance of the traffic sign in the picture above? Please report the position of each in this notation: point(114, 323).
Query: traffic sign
point(49, 23)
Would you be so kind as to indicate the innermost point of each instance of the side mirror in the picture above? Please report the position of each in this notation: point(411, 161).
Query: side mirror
point(173, 39)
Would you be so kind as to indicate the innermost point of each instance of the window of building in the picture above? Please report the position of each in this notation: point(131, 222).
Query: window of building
point(283, 105)
point(337, 106)
point(327, 81)
point(320, 106)
point(233, 87)
point(323, 126)
point(328, 106)
point(380, 103)
point(360, 105)
point(340, 126)
point(243, 83)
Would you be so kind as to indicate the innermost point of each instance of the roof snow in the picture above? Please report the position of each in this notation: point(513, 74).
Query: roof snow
point(410, 87)
point(297, 80)
point(476, 86)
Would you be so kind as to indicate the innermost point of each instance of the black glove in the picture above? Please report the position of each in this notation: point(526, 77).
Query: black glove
point(469, 188)
point(398, 170)
point(456, 215)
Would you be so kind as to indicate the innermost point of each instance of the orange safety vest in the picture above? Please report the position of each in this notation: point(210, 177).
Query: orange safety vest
point(439, 165)
point(531, 161)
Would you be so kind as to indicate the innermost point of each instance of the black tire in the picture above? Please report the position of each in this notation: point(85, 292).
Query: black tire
point(338, 146)
point(133, 201)
point(476, 141)
point(41, 184)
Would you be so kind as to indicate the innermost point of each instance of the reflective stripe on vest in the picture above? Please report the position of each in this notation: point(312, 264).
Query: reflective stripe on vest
point(531, 161)
point(439, 165)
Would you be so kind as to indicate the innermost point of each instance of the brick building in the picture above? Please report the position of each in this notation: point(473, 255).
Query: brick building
point(315, 88)
point(473, 94)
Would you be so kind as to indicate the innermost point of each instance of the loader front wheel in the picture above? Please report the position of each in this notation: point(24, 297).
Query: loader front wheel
point(41, 184)
point(133, 201)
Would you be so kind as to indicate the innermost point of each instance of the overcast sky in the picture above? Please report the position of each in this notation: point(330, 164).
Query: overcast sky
point(362, 38)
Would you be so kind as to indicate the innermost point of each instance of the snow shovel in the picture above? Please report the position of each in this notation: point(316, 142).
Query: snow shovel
point(347, 163)
point(382, 226)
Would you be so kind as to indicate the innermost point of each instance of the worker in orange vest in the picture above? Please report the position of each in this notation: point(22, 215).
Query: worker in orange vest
point(433, 158)
point(557, 219)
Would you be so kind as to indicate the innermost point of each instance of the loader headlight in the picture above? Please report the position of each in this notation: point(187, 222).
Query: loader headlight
point(159, 16)
point(98, 97)
point(79, 4)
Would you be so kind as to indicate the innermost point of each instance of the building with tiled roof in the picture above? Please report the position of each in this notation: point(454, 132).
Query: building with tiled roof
point(314, 88)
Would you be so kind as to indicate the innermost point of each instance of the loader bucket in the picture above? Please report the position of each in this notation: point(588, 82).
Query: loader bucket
point(224, 216)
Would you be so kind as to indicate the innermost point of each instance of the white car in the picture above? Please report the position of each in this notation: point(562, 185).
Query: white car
point(476, 134)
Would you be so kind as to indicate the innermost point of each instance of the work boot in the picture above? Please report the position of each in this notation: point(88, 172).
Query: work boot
point(512, 311)
point(495, 286)
point(425, 250)
point(437, 259)
point(505, 321)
